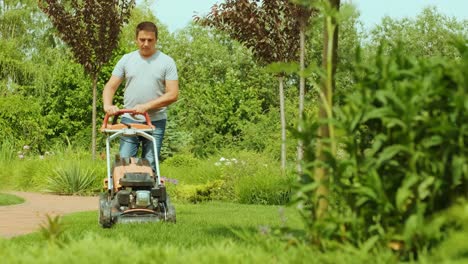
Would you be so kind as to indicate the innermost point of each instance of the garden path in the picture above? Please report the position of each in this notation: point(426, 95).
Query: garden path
point(25, 218)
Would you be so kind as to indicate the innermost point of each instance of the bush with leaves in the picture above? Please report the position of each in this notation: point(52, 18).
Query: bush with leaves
point(21, 121)
point(402, 136)
point(73, 178)
point(222, 90)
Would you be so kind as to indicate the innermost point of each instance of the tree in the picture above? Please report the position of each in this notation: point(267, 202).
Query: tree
point(426, 35)
point(91, 28)
point(16, 40)
point(270, 29)
point(20, 37)
point(302, 14)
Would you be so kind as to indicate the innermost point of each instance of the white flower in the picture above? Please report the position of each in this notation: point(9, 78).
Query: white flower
point(26, 147)
point(300, 206)
point(222, 159)
point(217, 163)
point(41, 157)
point(21, 156)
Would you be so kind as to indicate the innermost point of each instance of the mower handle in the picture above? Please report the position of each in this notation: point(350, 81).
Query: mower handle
point(123, 111)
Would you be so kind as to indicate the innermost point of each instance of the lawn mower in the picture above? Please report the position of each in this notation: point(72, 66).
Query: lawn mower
point(132, 193)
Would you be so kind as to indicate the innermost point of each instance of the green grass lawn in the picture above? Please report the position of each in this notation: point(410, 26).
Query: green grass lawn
point(198, 224)
point(213, 232)
point(10, 199)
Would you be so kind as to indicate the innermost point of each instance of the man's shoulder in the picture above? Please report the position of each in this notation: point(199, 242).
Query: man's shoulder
point(164, 56)
point(131, 54)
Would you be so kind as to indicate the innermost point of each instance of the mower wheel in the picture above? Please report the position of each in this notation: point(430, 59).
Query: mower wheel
point(171, 212)
point(105, 208)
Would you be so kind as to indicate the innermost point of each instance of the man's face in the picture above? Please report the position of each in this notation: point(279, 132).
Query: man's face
point(146, 42)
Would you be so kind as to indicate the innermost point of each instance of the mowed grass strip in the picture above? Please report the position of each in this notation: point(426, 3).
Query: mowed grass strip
point(10, 199)
point(197, 224)
point(211, 232)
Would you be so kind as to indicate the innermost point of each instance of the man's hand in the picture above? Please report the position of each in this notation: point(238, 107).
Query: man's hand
point(111, 109)
point(140, 108)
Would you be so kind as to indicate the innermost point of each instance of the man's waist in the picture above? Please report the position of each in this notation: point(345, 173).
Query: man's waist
point(154, 116)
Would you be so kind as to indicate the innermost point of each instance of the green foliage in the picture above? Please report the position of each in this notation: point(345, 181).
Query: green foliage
point(7, 150)
point(21, 120)
point(175, 140)
point(25, 177)
point(254, 178)
point(26, 169)
point(402, 137)
point(37, 67)
point(265, 189)
point(66, 103)
point(199, 192)
point(53, 230)
point(44, 89)
point(72, 178)
point(248, 178)
point(185, 161)
point(10, 199)
point(188, 170)
point(453, 247)
point(425, 36)
point(222, 88)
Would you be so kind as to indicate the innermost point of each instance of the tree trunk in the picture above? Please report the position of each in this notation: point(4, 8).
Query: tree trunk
point(329, 60)
point(93, 141)
point(283, 124)
point(300, 150)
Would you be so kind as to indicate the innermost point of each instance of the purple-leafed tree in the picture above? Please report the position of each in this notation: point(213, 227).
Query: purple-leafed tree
point(270, 29)
point(91, 29)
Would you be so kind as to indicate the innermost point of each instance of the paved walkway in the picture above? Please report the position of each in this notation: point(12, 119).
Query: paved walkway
point(25, 218)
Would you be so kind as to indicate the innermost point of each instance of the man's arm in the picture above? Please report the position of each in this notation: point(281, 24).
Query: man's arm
point(108, 94)
point(169, 97)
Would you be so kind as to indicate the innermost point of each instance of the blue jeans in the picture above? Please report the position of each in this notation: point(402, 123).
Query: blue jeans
point(129, 145)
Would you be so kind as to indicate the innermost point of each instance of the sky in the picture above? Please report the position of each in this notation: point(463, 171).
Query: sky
point(176, 14)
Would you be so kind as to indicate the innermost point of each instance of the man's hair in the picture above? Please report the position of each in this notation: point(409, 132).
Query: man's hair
point(147, 26)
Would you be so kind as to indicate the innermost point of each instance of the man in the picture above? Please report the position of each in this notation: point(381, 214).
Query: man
point(151, 85)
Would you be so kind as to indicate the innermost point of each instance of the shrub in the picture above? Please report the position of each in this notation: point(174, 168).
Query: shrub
point(186, 169)
point(269, 190)
point(245, 177)
point(181, 160)
point(402, 132)
point(72, 178)
point(200, 192)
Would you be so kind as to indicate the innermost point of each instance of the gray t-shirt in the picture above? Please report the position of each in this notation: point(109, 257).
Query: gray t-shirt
point(145, 79)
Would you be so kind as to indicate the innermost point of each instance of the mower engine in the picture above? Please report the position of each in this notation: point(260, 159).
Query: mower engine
point(138, 191)
point(136, 197)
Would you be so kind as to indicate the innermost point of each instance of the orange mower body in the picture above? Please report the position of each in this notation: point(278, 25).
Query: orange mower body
point(133, 192)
